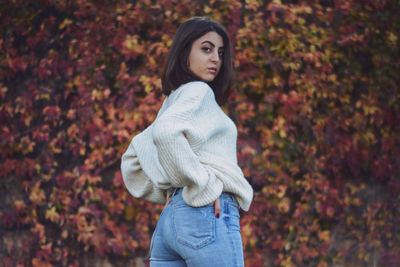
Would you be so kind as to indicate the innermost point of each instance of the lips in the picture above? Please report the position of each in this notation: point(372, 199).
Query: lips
point(212, 70)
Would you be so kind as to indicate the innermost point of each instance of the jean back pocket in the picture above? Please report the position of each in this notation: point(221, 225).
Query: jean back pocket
point(194, 227)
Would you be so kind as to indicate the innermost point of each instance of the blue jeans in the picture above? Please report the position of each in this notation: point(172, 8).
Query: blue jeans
point(187, 236)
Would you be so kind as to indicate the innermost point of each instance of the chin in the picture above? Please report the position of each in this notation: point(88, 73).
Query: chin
point(209, 79)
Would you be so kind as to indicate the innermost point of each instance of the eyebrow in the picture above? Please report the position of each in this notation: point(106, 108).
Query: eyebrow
point(211, 43)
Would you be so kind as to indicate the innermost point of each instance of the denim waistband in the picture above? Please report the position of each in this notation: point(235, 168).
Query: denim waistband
point(224, 197)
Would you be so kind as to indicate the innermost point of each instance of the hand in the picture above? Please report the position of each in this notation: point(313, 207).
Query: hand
point(217, 207)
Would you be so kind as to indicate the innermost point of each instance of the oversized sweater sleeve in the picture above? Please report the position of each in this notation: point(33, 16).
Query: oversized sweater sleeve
point(177, 134)
point(137, 181)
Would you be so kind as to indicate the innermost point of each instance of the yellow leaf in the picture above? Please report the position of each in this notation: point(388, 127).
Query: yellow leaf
point(65, 23)
point(282, 133)
point(284, 205)
point(207, 9)
point(324, 236)
point(281, 191)
point(392, 38)
point(332, 78)
point(64, 234)
point(308, 10)
point(37, 195)
point(275, 80)
point(130, 213)
point(52, 215)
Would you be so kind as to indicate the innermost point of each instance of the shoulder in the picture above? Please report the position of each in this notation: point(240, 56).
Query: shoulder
point(189, 99)
point(194, 89)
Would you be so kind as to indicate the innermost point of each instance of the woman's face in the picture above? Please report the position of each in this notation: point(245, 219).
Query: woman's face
point(205, 58)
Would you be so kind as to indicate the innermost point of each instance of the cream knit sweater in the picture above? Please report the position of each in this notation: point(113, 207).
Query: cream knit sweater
point(191, 144)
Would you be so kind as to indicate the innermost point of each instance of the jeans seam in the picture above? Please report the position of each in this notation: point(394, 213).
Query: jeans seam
point(152, 241)
point(232, 217)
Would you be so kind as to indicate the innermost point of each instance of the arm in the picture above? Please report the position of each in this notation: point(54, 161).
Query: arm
point(176, 136)
point(136, 180)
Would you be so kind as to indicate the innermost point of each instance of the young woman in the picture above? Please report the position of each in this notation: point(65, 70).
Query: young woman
point(187, 157)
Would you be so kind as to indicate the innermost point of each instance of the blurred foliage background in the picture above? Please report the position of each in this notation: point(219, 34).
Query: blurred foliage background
point(316, 103)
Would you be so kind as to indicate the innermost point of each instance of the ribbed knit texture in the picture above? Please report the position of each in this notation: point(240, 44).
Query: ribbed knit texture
point(191, 144)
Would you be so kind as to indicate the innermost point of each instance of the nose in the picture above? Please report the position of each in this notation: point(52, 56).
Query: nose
point(215, 57)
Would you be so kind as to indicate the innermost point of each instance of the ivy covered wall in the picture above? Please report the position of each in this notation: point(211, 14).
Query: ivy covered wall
point(316, 102)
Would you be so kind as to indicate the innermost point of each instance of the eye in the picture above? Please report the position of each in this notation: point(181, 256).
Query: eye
point(206, 49)
point(220, 53)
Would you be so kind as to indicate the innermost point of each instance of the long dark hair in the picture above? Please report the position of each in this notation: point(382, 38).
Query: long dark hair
point(176, 71)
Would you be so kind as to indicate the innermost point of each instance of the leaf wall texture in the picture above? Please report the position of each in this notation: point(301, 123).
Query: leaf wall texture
point(316, 101)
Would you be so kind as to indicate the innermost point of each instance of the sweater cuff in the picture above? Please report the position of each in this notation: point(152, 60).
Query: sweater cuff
point(207, 196)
